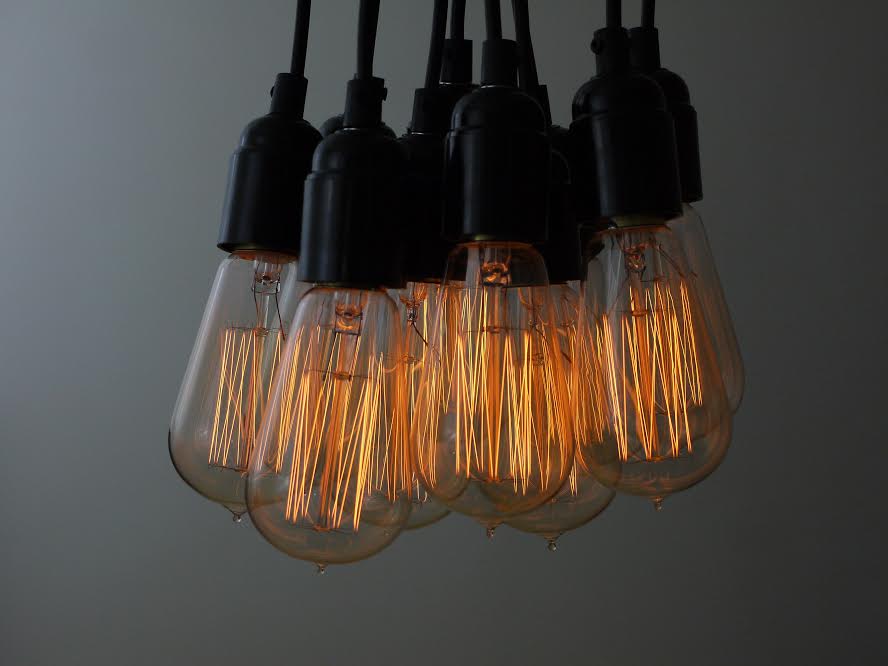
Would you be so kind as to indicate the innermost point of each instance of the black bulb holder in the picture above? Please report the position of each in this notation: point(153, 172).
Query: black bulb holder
point(456, 63)
point(335, 123)
point(498, 158)
point(646, 58)
point(561, 251)
point(425, 249)
point(625, 155)
point(354, 198)
point(263, 203)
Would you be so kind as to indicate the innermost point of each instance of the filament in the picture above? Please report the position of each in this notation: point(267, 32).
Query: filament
point(650, 365)
point(340, 423)
point(495, 373)
point(247, 361)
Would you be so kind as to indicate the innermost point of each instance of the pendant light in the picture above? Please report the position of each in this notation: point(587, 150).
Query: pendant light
point(329, 482)
point(688, 226)
point(490, 315)
point(582, 497)
point(669, 418)
point(225, 389)
point(448, 79)
point(491, 431)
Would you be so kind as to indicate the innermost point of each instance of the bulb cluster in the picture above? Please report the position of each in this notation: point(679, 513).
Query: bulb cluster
point(490, 315)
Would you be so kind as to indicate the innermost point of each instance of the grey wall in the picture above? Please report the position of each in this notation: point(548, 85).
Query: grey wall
point(117, 118)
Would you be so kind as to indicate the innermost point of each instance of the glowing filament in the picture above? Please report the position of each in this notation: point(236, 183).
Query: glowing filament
point(336, 421)
point(651, 370)
point(492, 370)
point(248, 359)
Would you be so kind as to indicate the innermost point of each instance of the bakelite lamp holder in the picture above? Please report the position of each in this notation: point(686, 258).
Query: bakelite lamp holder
point(645, 54)
point(425, 249)
point(498, 158)
point(625, 155)
point(263, 202)
point(354, 199)
point(561, 251)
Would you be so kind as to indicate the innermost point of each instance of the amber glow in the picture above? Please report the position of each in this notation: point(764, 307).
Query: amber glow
point(335, 420)
point(586, 389)
point(650, 363)
point(243, 391)
point(494, 371)
point(416, 336)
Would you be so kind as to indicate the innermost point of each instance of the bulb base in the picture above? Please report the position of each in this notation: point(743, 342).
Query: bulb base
point(625, 148)
point(561, 251)
point(456, 63)
point(497, 168)
point(425, 250)
point(353, 211)
point(433, 107)
point(646, 58)
point(263, 203)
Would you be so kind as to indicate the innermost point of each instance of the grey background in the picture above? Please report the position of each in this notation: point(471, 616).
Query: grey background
point(117, 118)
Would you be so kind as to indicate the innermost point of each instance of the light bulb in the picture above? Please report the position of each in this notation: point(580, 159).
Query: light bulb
point(330, 477)
point(491, 430)
point(228, 378)
point(689, 230)
point(417, 304)
point(582, 497)
point(669, 420)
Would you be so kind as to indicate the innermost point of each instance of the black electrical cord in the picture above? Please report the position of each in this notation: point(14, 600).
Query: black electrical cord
point(648, 8)
point(614, 13)
point(436, 44)
point(368, 18)
point(300, 37)
point(458, 20)
point(527, 63)
point(493, 19)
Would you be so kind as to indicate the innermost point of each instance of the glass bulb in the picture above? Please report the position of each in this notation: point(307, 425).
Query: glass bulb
point(582, 497)
point(691, 233)
point(492, 433)
point(417, 304)
point(330, 478)
point(228, 378)
point(669, 422)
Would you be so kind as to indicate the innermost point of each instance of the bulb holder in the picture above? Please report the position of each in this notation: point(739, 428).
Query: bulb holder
point(335, 123)
point(456, 64)
point(646, 58)
point(263, 202)
point(624, 138)
point(561, 251)
point(433, 107)
point(499, 63)
point(353, 211)
point(363, 102)
point(498, 168)
point(425, 250)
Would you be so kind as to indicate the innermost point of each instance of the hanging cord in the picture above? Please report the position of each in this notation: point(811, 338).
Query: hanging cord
point(648, 8)
point(458, 20)
point(436, 44)
point(493, 19)
point(365, 92)
point(526, 61)
point(300, 37)
point(614, 13)
point(368, 18)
